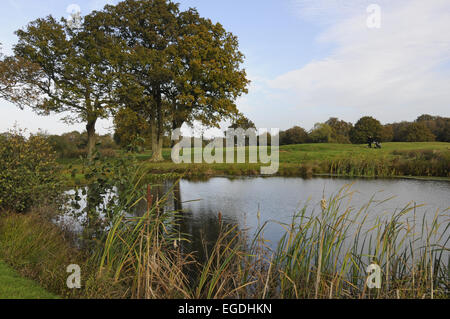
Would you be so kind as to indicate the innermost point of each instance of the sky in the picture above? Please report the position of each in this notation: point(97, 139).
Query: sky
point(307, 60)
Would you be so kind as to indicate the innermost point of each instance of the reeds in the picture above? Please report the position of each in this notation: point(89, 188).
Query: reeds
point(143, 253)
point(322, 254)
point(399, 163)
point(325, 255)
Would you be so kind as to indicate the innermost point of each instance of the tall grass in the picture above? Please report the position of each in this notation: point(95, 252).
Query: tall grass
point(399, 163)
point(326, 255)
point(143, 252)
point(147, 255)
point(322, 254)
point(37, 249)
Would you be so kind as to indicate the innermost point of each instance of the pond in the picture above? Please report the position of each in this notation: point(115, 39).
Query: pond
point(277, 199)
point(248, 202)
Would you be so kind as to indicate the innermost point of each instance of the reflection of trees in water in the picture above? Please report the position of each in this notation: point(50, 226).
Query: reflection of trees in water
point(201, 230)
point(159, 191)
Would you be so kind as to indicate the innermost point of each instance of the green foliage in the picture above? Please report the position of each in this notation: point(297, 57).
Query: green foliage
point(321, 133)
point(73, 145)
point(417, 132)
point(295, 135)
point(195, 73)
point(64, 71)
point(424, 128)
point(29, 174)
point(387, 133)
point(366, 127)
point(341, 130)
point(439, 126)
point(243, 122)
point(105, 189)
point(131, 130)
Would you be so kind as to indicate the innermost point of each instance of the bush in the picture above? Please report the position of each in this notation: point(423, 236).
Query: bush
point(29, 174)
point(73, 145)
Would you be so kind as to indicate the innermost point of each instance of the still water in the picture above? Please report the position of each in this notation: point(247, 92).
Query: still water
point(248, 202)
point(277, 199)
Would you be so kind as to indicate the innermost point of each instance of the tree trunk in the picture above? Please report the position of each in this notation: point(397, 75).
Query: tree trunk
point(90, 128)
point(157, 145)
point(157, 130)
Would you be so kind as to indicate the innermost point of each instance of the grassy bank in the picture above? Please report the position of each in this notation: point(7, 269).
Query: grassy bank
point(40, 251)
point(393, 160)
point(13, 286)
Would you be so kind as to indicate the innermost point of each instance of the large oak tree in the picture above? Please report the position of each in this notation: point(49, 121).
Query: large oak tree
point(175, 67)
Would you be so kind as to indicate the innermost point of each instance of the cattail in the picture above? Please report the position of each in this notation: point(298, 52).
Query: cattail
point(220, 217)
point(323, 203)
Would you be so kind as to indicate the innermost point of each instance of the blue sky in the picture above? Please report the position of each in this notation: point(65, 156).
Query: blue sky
point(308, 59)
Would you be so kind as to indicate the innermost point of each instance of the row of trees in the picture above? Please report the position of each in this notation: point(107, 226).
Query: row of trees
point(167, 66)
point(426, 128)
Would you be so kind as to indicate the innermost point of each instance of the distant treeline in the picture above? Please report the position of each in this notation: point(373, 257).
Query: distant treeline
point(426, 128)
point(74, 145)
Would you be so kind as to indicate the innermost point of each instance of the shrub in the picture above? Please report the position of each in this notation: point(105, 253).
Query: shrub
point(73, 145)
point(28, 172)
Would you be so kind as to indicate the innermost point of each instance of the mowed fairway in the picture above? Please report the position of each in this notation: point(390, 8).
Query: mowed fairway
point(12, 286)
point(311, 152)
point(305, 152)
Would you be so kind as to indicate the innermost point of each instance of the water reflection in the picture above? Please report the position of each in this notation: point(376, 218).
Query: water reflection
point(279, 199)
point(241, 200)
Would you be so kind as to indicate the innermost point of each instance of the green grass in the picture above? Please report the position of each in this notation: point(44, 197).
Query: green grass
point(13, 286)
point(425, 160)
point(325, 151)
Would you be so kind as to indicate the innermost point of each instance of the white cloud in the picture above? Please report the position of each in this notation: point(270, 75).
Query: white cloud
point(395, 72)
point(99, 4)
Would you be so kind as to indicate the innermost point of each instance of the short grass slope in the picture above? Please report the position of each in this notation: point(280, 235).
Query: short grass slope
point(13, 286)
